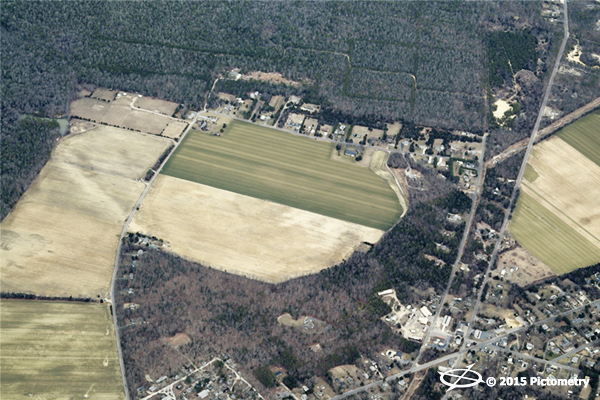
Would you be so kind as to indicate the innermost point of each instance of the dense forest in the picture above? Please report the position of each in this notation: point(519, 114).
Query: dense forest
point(364, 62)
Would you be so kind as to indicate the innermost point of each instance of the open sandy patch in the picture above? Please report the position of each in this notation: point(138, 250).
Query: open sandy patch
point(245, 235)
point(502, 106)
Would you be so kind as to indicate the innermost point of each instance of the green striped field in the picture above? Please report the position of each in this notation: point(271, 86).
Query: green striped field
point(550, 239)
point(58, 350)
point(584, 136)
point(286, 169)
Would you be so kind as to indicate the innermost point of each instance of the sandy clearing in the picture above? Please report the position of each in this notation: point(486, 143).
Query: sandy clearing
point(502, 106)
point(178, 339)
point(245, 235)
point(272, 77)
point(287, 320)
point(161, 106)
point(174, 129)
point(61, 237)
point(277, 101)
point(575, 55)
point(530, 268)
point(569, 182)
point(393, 129)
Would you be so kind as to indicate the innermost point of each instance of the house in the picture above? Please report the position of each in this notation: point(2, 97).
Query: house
point(351, 153)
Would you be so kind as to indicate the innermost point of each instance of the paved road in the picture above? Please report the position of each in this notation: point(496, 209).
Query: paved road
point(542, 133)
point(461, 248)
point(539, 360)
point(123, 232)
point(577, 350)
point(448, 357)
point(520, 176)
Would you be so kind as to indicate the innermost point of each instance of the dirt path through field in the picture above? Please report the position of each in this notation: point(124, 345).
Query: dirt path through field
point(379, 166)
point(543, 133)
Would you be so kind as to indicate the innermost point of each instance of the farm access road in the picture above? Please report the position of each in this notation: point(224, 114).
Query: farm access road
point(545, 132)
point(123, 232)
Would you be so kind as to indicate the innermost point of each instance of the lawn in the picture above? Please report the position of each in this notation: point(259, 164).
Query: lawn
point(584, 135)
point(286, 169)
point(550, 239)
point(58, 350)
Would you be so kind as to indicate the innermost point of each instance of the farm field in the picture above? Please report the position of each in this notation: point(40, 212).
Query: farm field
point(568, 182)
point(161, 106)
point(119, 113)
point(244, 235)
point(550, 239)
point(61, 237)
point(146, 122)
point(174, 129)
point(293, 171)
point(58, 350)
point(584, 136)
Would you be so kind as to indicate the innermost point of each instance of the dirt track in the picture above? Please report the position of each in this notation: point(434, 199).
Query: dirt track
point(542, 133)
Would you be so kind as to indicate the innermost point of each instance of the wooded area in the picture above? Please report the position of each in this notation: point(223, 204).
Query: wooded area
point(230, 314)
point(364, 62)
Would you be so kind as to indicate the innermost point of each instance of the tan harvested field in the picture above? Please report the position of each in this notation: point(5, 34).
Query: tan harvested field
point(174, 129)
point(245, 235)
point(161, 106)
point(119, 113)
point(549, 238)
point(569, 183)
point(89, 108)
point(104, 94)
point(530, 268)
point(61, 237)
point(59, 351)
point(146, 122)
point(116, 114)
